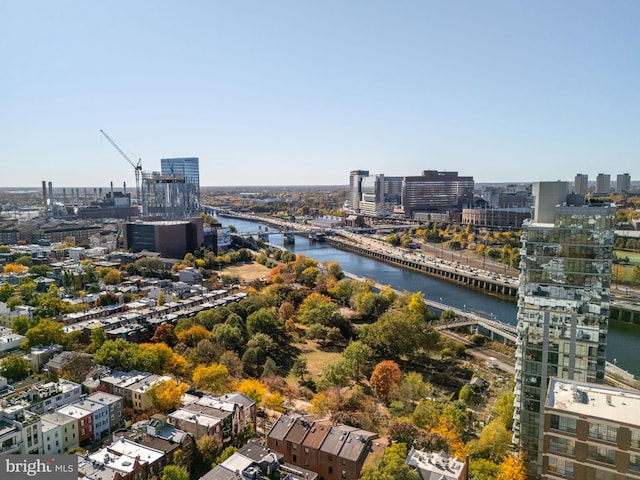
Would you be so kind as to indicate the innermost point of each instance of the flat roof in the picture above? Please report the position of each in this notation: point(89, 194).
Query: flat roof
point(594, 400)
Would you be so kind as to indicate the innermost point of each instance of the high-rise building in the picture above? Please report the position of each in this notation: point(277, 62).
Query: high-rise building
point(374, 200)
point(189, 169)
point(563, 307)
point(581, 184)
point(435, 191)
point(355, 189)
point(603, 183)
point(623, 183)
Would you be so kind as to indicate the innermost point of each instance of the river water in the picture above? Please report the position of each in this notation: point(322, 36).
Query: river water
point(623, 338)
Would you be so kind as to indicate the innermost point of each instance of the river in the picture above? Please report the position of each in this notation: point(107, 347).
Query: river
point(623, 338)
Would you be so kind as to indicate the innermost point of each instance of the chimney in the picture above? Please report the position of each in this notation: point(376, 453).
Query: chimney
point(112, 198)
point(51, 195)
point(124, 188)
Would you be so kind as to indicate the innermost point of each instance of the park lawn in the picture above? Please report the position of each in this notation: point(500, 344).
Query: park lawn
point(247, 272)
point(634, 257)
point(316, 360)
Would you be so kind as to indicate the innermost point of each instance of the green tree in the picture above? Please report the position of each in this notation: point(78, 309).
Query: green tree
point(98, 337)
point(483, 469)
point(494, 441)
point(15, 368)
point(392, 466)
point(45, 332)
point(299, 368)
point(175, 472)
point(357, 356)
point(267, 321)
point(504, 409)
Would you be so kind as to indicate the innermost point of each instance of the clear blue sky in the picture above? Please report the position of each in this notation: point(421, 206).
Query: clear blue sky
point(302, 92)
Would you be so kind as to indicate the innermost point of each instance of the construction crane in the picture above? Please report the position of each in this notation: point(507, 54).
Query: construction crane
point(136, 166)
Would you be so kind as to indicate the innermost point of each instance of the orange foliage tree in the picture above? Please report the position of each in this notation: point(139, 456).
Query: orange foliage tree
point(167, 396)
point(385, 376)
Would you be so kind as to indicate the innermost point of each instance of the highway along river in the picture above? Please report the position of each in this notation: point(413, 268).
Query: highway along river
point(624, 338)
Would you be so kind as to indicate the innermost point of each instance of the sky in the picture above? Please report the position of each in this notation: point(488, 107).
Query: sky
point(302, 92)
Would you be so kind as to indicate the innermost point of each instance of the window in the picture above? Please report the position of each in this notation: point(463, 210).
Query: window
point(560, 466)
point(600, 453)
point(344, 474)
point(330, 469)
point(565, 424)
point(295, 458)
point(601, 431)
point(635, 438)
point(561, 445)
point(634, 462)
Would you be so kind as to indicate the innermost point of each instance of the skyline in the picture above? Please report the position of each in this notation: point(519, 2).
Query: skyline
point(301, 94)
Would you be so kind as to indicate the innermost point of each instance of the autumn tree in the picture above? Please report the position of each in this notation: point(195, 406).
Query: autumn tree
point(45, 332)
point(385, 376)
point(166, 396)
point(193, 335)
point(512, 468)
point(165, 334)
point(211, 378)
point(493, 443)
point(252, 388)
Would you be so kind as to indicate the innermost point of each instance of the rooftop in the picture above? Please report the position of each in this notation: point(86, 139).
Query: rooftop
point(592, 400)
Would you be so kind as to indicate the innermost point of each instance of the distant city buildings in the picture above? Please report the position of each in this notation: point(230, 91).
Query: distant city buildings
point(565, 279)
point(603, 183)
point(581, 184)
point(443, 194)
point(623, 183)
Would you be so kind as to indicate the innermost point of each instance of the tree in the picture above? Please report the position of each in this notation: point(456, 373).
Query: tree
point(208, 450)
point(175, 472)
point(211, 378)
point(45, 332)
point(385, 376)
point(512, 468)
point(494, 441)
point(252, 388)
point(504, 409)
point(107, 298)
point(401, 430)
point(483, 469)
point(166, 396)
point(112, 277)
point(267, 321)
point(15, 368)
point(299, 368)
point(193, 335)
point(357, 356)
point(98, 337)
point(392, 466)
point(165, 334)
point(317, 308)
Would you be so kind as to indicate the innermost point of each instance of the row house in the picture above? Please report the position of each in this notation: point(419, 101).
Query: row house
point(20, 430)
point(158, 433)
point(335, 452)
point(84, 420)
point(132, 386)
point(198, 424)
point(60, 433)
point(122, 460)
point(99, 417)
point(255, 462)
point(49, 396)
point(114, 405)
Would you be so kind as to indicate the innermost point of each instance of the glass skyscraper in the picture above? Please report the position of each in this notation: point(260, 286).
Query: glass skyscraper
point(189, 169)
point(563, 305)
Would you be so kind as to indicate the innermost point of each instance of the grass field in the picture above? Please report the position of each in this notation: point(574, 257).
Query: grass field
point(633, 257)
point(247, 272)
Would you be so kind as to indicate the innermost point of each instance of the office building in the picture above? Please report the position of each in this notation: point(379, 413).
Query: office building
point(170, 238)
point(434, 191)
point(603, 183)
point(623, 183)
point(581, 184)
point(373, 202)
point(591, 432)
point(189, 169)
point(563, 307)
point(355, 189)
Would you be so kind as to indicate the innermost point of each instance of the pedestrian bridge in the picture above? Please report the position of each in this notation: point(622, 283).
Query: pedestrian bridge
point(495, 327)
